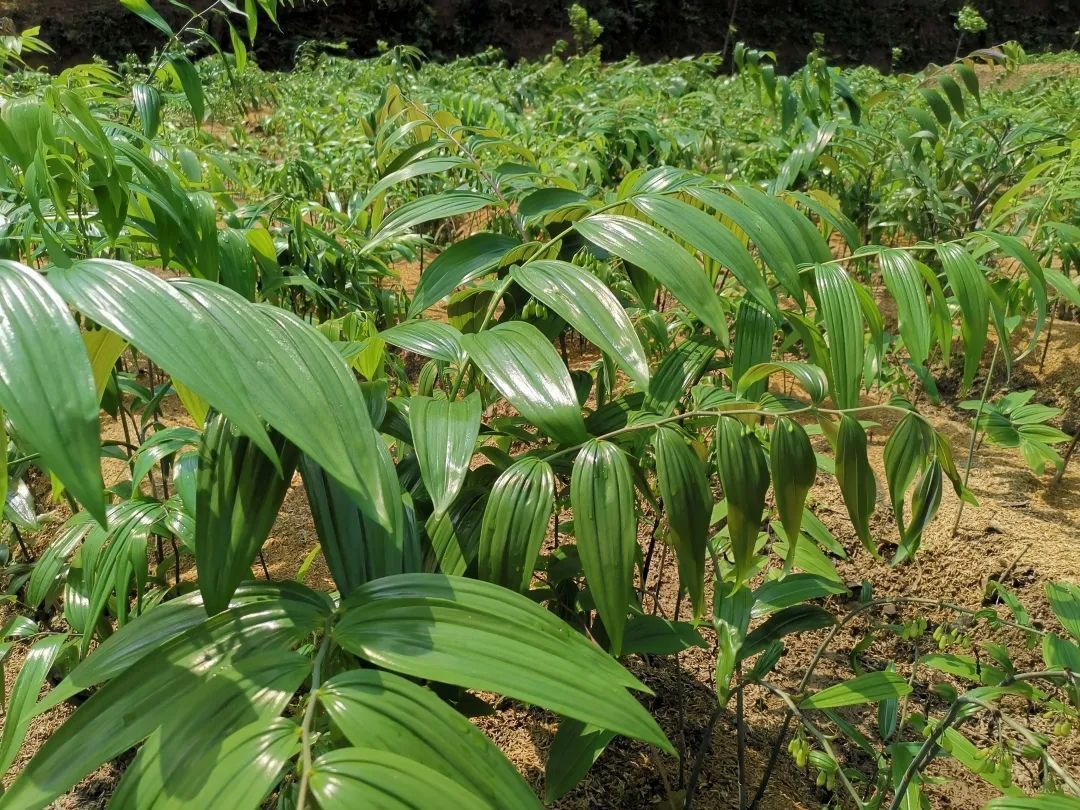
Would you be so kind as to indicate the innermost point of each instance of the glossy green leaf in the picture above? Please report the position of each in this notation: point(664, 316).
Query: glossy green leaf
point(909, 446)
point(515, 522)
point(971, 290)
point(870, 687)
point(32, 674)
point(754, 330)
point(47, 384)
point(684, 490)
point(383, 711)
point(257, 362)
point(524, 367)
point(453, 538)
point(745, 480)
point(368, 777)
point(794, 589)
point(705, 233)
point(605, 526)
point(461, 262)
point(237, 709)
point(762, 232)
point(858, 486)
point(844, 332)
point(681, 367)
point(793, 468)
point(437, 627)
point(356, 548)
point(905, 284)
point(425, 209)
point(147, 12)
point(129, 707)
point(812, 379)
point(660, 257)
point(585, 303)
point(239, 492)
point(444, 437)
point(192, 84)
point(434, 339)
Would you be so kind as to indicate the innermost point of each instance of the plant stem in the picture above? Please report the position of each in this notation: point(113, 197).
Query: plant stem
point(823, 741)
point(924, 754)
point(975, 435)
point(309, 717)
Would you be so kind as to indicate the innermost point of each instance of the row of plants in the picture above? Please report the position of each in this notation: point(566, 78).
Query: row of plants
point(730, 290)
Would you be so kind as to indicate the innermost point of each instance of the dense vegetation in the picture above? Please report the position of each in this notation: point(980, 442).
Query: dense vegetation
point(531, 339)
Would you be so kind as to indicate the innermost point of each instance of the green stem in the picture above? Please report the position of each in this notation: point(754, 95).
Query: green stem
point(309, 718)
point(975, 435)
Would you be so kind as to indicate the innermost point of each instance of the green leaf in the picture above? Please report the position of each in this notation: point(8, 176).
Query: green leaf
point(147, 12)
point(793, 468)
point(1046, 802)
point(1058, 653)
point(461, 262)
point(367, 777)
point(164, 684)
point(1065, 602)
point(754, 330)
point(705, 233)
point(585, 303)
point(515, 522)
point(239, 492)
point(870, 687)
point(454, 536)
point(844, 331)
point(434, 339)
point(605, 526)
point(32, 674)
point(682, 366)
point(744, 477)
point(1064, 286)
point(794, 619)
point(383, 711)
point(905, 284)
point(909, 446)
point(49, 566)
point(47, 385)
point(655, 635)
point(419, 168)
point(256, 363)
point(574, 749)
point(104, 347)
point(446, 629)
point(244, 700)
point(425, 209)
point(661, 258)
point(684, 489)
point(164, 443)
point(192, 84)
point(524, 367)
point(812, 379)
point(239, 773)
point(761, 231)
point(794, 589)
point(356, 548)
point(972, 293)
point(856, 479)
point(444, 437)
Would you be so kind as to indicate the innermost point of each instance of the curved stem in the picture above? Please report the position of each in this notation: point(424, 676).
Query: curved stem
point(822, 740)
point(309, 718)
